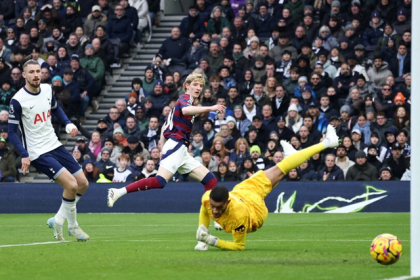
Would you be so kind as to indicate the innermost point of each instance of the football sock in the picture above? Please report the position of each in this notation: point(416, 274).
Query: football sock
point(67, 210)
point(157, 182)
point(78, 197)
point(209, 181)
point(296, 159)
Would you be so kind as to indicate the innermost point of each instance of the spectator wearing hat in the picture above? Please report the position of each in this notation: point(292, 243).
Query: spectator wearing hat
point(388, 34)
point(253, 135)
point(328, 41)
point(283, 43)
point(385, 174)
point(293, 120)
point(91, 172)
point(83, 147)
point(93, 20)
point(93, 64)
point(357, 139)
point(135, 147)
point(402, 23)
point(115, 150)
point(362, 170)
point(396, 161)
point(192, 26)
point(374, 31)
point(283, 131)
point(364, 87)
point(372, 156)
point(6, 94)
point(253, 48)
point(342, 160)
point(119, 137)
point(255, 155)
point(158, 98)
point(361, 59)
point(7, 162)
point(379, 72)
point(307, 99)
point(132, 103)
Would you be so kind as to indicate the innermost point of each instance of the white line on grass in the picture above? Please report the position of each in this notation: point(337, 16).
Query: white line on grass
point(402, 278)
point(166, 240)
point(32, 244)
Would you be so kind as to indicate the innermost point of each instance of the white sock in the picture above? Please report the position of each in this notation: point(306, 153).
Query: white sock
point(78, 197)
point(60, 217)
point(71, 213)
point(121, 192)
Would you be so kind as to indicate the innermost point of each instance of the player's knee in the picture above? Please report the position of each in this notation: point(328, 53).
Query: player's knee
point(83, 184)
point(71, 186)
point(161, 180)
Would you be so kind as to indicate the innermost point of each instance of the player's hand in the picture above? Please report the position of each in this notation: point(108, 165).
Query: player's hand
point(72, 129)
point(218, 107)
point(201, 246)
point(25, 165)
point(204, 236)
point(217, 226)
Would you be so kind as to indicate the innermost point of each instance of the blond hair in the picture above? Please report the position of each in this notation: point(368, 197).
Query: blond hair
point(193, 77)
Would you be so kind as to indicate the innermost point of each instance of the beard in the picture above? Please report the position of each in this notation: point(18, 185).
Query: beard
point(34, 84)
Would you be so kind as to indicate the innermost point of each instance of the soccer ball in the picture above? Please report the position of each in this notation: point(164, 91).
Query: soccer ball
point(386, 249)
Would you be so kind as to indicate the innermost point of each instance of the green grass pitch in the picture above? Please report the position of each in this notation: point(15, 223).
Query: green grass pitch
point(161, 246)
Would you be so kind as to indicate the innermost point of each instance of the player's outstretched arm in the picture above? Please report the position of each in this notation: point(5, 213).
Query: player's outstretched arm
point(238, 243)
point(61, 116)
point(194, 110)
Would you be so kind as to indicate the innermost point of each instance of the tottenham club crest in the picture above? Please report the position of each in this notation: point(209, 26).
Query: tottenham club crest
point(11, 109)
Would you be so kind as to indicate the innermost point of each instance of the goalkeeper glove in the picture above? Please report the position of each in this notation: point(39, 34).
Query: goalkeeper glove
point(217, 226)
point(204, 236)
point(201, 246)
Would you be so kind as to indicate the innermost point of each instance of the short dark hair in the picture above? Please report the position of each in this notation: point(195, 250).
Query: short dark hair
point(219, 194)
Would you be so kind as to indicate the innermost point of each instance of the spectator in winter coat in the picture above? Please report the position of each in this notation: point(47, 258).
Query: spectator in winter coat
point(331, 172)
point(342, 160)
point(362, 170)
point(93, 20)
point(379, 72)
point(192, 26)
point(120, 28)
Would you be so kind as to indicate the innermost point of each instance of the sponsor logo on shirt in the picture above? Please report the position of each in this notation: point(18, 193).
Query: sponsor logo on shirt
point(240, 229)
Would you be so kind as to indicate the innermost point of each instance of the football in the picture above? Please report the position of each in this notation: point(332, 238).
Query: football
point(386, 249)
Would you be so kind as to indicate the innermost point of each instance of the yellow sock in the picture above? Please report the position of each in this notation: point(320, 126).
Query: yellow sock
point(296, 159)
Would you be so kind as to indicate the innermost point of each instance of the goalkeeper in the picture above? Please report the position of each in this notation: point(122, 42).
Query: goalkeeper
point(243, 209)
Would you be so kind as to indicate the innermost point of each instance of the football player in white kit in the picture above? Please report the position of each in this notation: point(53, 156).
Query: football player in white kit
point(30, 110)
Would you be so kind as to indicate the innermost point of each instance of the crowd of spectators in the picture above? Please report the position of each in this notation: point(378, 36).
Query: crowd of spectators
point(284, 70)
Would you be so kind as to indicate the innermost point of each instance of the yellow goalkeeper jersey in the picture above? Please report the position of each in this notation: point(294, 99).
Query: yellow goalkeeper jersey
point(246, 211)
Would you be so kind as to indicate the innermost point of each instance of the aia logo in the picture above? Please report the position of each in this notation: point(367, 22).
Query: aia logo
point(42, 117)
point(240, 229)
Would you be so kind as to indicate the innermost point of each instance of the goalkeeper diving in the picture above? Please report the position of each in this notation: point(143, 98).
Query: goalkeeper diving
point(243, 209)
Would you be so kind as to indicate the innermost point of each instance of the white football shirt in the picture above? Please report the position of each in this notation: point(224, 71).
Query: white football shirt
point(32, 112)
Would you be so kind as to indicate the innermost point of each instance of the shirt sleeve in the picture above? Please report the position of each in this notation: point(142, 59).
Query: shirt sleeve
point(204, 218)
point(239, 238)
point(15, 116)
point(185, 102)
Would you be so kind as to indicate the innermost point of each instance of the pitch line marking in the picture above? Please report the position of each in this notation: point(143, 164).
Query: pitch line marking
point(33, 244)
point(401, 278)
